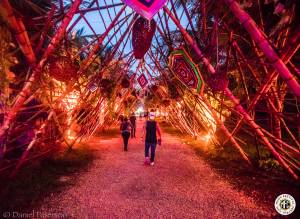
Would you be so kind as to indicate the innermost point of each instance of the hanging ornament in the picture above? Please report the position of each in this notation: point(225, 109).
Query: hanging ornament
point(125, 83)
point(146, 8)
point(142, 34)
point(62, 69)
point(107, 86)
point(166, 102)
point(186, 70)
point(142, 80)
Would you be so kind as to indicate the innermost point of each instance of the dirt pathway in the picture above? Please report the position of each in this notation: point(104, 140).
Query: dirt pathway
point(180, 185)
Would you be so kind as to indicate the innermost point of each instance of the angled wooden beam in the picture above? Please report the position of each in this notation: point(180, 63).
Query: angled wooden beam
point(20, 99)
point(79, 17)
point(260, 39)
point(96, 47)
point(229, 94)
point(99, 8)
point(17, 27)
point(46, 28)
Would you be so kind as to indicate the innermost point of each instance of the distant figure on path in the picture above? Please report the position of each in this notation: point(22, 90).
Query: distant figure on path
point(125, 129)
point(150, 131)
point(121, 117)
point(133, 123)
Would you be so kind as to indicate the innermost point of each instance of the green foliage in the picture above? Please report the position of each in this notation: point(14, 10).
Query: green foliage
point(269, 164)
point(6, 60)
point(228, 153)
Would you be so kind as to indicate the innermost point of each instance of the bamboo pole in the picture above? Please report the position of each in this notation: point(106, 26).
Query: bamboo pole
point(46, 28)
point(228, 93)
point(31, 144)
point(260, 39)
point(259, 132)
point(219, 122)
point(11, 115)
point(189, 19)
point(225, 130)
point(84, 65)
point(110, 58)
point(267, 83)
point(18, 29)
point(289, 51)
point(95, 49)
point(79, 17)
point(113, 53)
point(204, 20)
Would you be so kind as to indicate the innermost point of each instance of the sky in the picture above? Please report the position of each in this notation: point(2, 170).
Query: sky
point(99, 24)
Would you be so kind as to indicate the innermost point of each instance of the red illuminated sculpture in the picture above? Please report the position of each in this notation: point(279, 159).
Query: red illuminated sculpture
point(142, 34)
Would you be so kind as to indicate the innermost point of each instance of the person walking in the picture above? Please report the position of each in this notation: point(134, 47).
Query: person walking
point(151, 130)
point(125, 129)
point(133, 123)
point(121, 117)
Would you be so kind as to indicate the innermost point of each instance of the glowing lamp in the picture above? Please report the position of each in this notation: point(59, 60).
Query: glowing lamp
point(146, 8)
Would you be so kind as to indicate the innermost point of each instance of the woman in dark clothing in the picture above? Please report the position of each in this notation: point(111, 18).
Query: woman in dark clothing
point(133, 123)
point(150, 131)
point(125, 129)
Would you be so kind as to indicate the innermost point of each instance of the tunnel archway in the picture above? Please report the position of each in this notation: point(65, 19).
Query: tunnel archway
point(70, 67)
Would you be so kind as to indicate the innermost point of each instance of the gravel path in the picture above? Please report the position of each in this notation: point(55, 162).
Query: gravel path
point(180, 185)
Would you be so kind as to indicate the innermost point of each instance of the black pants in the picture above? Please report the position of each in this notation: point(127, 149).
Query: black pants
point(151, 146)
point(125, 136)
point(133, 131)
